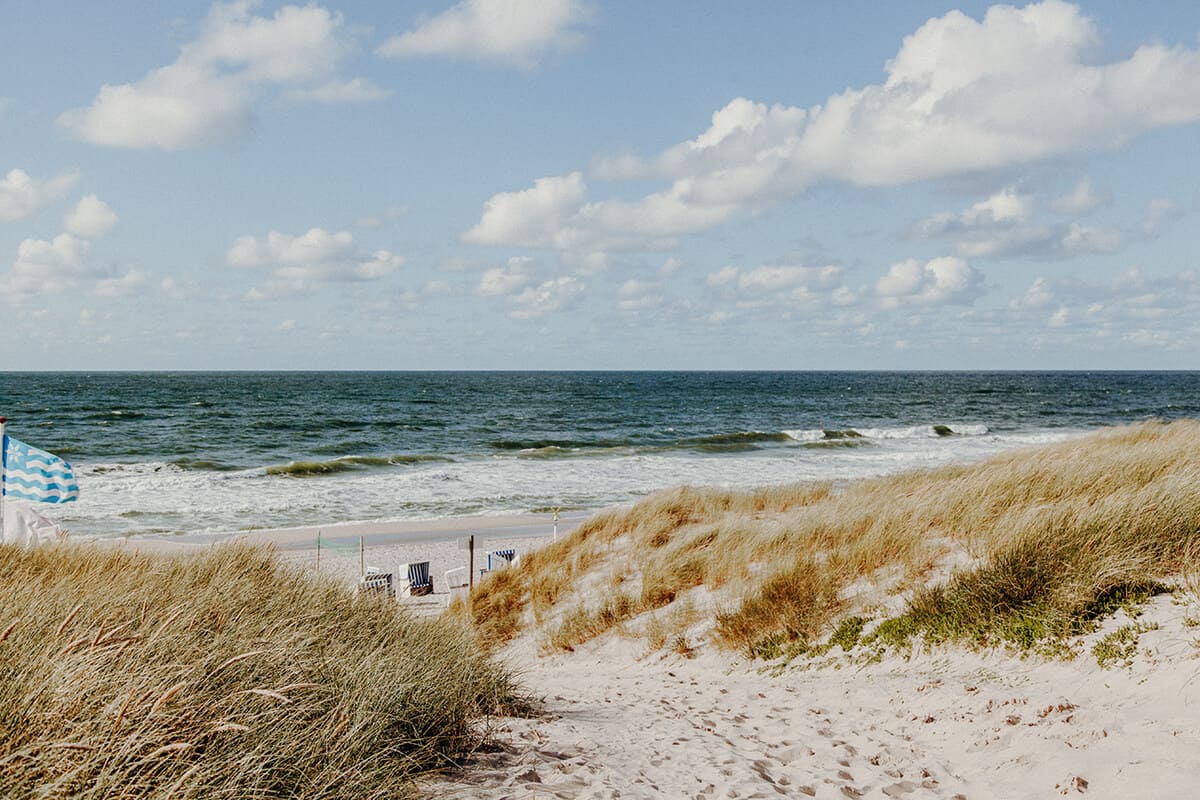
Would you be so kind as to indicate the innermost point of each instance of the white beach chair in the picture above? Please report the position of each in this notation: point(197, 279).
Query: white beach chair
point(376, 582)
point(497, 559)
point(414, 579)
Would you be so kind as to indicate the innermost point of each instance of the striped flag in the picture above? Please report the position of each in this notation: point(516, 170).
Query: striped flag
point(32, 474)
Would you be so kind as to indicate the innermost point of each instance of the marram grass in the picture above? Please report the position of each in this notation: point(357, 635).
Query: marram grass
point(1050, 536)
point(225, 675)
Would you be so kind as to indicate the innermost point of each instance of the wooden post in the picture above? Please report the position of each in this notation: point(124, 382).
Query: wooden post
point(471, 563)
point(318, 550)
point(362, 557)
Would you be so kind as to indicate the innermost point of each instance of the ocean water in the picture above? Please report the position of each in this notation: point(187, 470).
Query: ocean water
point(169, 453)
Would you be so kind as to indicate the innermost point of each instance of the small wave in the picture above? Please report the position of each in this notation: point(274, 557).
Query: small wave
point(531, 445)
point(860, 435)
point(304, 469)
point(204, 465)
point(741, 437)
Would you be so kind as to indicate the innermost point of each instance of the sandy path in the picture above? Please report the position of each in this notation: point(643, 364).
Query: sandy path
point(940, 726)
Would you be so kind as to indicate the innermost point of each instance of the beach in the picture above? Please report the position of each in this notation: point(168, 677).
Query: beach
point(347, 550)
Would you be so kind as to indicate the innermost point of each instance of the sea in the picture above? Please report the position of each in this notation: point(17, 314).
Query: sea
point(164, 454)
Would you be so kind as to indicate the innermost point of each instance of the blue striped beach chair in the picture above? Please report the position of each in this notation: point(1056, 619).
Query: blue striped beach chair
point(376, 582)
point(501, 558)
point(414, 579)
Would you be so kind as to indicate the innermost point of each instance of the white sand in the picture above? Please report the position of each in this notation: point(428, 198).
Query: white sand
point(622, 722)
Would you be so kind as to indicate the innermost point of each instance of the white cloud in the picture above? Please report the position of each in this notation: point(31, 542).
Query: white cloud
point(205, 96)
point(1082, 199)
point(1003, 209)
point(557, 294)
point(1000, 227)
point(1081, 238)
point(671, 266)
point(535, 217)
point(297, 262)
point(46, 266)
point(552, 213)
point(508, 279)
point(22, 196)
point(90, 218)
point(121, 285)
point(354, 91)
point(961, 96)
point(1147, 310)
point(389, 214)
point(936, 282)
point(516, 32)
point(177, 289)
point(1161, 212)
point(782, 285)
point(634, 296)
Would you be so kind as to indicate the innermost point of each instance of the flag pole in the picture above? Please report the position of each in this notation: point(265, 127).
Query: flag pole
point(3, 474)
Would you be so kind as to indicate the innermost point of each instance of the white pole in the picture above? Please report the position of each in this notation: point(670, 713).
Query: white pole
point(3, 470)
point(556, 524)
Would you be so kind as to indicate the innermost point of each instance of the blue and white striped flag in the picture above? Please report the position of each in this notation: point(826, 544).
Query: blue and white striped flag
point(32, 474)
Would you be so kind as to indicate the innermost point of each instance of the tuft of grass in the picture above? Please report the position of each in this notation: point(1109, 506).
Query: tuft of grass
point(226, 674)
point(582, 624)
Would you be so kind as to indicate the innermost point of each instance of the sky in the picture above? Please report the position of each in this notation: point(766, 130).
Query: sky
point(576, 184)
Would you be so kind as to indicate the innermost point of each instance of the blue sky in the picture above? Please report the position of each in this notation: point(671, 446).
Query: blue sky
point(560, 184)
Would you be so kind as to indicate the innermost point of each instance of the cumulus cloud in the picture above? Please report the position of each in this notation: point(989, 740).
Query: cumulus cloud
point(1083, 199)
point(356, 91)
point(1000, 226)
point(548, 297)
point(124, 285)
point(508, 279)
point(90, 218)
point(553, 214)
point(961, 96)
point(1003, 209)
point(634, 295)
point(22, 195)
point(782, 286)
point(1159, 213)
point(1142, 309)
point(46, 266)
point(316, 256)
point(939, 281)
point(514, 32)
point(206, 95)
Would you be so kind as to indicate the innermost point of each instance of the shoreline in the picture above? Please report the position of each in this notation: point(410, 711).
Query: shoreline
point(348, 549)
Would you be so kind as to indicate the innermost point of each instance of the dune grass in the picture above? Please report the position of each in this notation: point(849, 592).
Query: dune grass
point(224, 675)
point(1050, 537)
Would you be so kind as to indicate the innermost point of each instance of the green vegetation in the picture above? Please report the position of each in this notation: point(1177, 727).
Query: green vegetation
point(1119, 647)
point(223, 675)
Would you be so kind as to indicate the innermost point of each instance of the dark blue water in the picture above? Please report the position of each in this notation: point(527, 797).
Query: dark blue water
point(181, 451)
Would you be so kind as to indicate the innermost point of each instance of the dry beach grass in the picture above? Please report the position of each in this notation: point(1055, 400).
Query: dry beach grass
point(1045, 540)
point(225, 674)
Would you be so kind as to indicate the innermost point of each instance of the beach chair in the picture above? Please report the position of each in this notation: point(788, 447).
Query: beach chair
point(376, 582)
point(414, 579)
point(501, 558)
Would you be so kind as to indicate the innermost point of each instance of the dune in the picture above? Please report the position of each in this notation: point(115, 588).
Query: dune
point(1022, 627)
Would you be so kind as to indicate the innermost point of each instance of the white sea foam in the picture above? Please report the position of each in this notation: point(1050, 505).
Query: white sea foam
point(159, 497)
